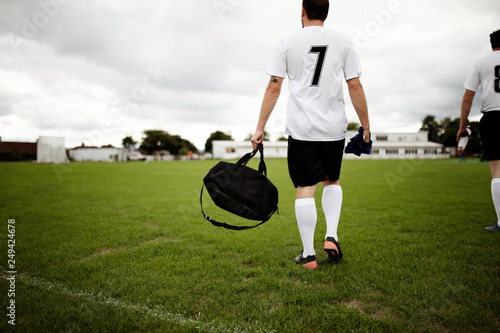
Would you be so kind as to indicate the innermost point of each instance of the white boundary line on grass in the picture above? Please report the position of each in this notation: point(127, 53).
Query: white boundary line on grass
point(154, 311)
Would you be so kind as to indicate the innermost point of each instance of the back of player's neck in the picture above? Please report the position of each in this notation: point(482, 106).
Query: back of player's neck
point(314, 23)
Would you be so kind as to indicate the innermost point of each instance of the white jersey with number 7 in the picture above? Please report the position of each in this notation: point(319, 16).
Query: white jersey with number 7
point(316, 60)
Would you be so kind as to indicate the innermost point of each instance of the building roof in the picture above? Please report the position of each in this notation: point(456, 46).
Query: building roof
point(94, 147)
point(6, 146)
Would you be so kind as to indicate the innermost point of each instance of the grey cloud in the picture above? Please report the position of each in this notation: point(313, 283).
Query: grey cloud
point(5, 109)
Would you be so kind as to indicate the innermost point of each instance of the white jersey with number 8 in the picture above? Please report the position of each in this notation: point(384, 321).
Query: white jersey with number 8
point(486, 72)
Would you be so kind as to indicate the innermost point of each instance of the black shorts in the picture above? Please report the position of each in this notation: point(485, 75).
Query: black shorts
point(309, 162)
point(490, 136)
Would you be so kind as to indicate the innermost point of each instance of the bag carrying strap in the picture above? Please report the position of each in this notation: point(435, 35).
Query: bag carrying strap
point(247, 157)
point(223, 224)
point(242, 161)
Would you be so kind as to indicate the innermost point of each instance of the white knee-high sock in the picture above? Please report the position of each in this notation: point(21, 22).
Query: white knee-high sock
point(305, 211)
point(495, 193)
point(332, 203)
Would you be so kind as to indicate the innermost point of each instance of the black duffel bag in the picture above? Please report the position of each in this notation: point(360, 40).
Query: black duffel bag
point(241, 190)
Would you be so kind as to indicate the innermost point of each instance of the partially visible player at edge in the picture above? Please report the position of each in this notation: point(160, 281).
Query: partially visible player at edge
point(486, 73)
point(316, 60)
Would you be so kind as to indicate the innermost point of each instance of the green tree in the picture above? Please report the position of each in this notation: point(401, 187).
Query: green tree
point(250, 136)
point(432, 127)
point(161, 140)
point(450, 130)
point(184, 146)
point(445, 132)
point(353, 126)
point(128, 142)
point(217, 135)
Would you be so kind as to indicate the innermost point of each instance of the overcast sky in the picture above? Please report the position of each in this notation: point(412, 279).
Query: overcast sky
point(99, 70)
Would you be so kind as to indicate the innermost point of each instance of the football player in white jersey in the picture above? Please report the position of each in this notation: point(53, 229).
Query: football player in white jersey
point(316, 60)
point(486, 73)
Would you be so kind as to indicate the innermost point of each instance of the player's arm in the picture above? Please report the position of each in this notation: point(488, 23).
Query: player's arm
point(360, 106)
point(465, 111)
point(271, 96)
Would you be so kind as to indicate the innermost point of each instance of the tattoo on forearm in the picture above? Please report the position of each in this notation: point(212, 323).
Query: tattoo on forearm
point(274, 79)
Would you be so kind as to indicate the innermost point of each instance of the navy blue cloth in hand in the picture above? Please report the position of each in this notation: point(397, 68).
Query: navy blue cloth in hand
point(357, 146)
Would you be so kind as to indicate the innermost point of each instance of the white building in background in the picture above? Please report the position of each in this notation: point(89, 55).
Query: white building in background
point(94, 154)
point(227, 150)
point(51, 150)
point(385, 146)
point(401, 146)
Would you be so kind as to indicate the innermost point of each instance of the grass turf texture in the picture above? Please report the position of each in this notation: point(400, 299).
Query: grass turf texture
point(123, 247)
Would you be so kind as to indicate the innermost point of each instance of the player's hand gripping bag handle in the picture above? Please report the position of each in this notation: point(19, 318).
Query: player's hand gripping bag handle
point(241, 190)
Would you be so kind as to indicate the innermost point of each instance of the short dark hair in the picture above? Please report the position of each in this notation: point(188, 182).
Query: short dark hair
point(316, 9)
point(495, 39)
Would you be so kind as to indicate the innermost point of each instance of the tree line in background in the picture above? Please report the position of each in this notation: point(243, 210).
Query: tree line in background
point(441, 131)
point(155, 140)
point(445, 132)
point(160, 140)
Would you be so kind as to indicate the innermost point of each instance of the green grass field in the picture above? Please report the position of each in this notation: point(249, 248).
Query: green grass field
point(123, 247)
